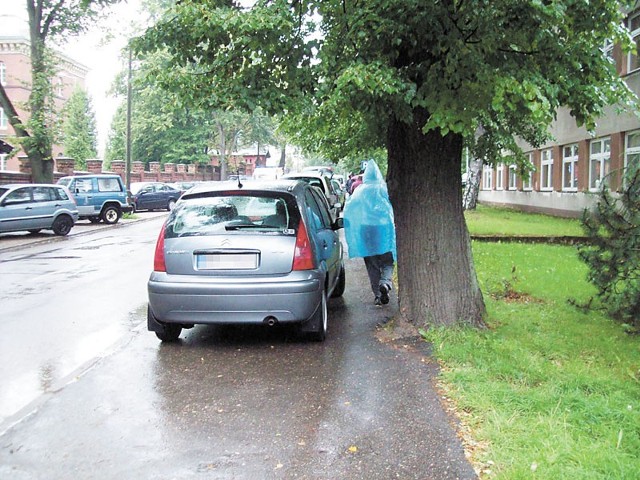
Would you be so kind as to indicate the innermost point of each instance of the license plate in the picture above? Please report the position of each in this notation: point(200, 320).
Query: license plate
point(227, 261)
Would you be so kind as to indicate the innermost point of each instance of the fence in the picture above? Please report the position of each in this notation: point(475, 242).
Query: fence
point(169, 172)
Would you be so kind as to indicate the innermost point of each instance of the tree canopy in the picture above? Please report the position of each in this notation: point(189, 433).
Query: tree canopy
point(416, 77)
point(166, 128)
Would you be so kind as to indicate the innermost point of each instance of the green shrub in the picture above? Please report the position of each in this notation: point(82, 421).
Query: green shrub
point(613, 254)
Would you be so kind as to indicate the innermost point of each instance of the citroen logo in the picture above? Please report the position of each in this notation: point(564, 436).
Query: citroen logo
point(225, 243)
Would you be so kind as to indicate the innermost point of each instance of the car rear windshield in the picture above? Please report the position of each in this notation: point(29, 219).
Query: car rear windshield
point(211, 215)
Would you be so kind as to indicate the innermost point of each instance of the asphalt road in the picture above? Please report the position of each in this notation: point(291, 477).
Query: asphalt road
point(246, 403)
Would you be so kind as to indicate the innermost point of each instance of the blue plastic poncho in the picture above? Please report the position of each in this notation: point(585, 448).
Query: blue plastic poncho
point(368, 217)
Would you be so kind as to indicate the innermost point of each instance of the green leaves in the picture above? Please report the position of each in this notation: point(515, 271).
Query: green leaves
point(504, 66)
point(79, 129)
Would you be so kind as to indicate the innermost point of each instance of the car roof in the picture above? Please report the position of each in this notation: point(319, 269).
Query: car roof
point(85, 175)
point(280, 185)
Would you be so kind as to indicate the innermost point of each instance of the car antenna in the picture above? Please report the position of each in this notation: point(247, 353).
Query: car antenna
point(239, 181)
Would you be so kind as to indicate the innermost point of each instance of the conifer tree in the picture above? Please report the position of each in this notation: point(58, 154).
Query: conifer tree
point(613, 254)
point(79, 129)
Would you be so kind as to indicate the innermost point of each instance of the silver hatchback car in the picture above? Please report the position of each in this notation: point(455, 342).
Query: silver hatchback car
point(254, 253)
point(34, 207)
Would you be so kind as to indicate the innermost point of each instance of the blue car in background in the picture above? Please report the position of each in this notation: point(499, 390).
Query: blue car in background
point(153, 196)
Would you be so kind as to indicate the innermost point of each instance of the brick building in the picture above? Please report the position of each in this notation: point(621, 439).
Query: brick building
point(15, 76)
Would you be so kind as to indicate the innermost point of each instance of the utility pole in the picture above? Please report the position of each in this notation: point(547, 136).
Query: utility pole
point(128, 144)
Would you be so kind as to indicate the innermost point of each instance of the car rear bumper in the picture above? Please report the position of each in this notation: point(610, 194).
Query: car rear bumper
point(234, 301)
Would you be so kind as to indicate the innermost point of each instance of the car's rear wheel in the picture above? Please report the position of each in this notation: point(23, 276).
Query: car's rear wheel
point(62, 225)
point(319, 321)
point(110, 215)
point(342, 283)
point(167, 332)
point(171, 204)
point(170, 332)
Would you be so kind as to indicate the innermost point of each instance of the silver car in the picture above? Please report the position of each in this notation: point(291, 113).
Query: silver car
point(261, 253)
point(34, 207)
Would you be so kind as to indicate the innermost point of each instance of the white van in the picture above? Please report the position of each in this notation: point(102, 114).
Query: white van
point(267, 173)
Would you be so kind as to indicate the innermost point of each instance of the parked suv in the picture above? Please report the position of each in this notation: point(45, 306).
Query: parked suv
point(34, 207)
point(99, 197)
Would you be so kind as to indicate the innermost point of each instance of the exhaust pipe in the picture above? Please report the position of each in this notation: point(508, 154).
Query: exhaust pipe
point(271, 321)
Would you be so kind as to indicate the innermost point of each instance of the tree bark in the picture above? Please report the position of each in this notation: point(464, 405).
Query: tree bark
point(472, 188)
point(436, 275)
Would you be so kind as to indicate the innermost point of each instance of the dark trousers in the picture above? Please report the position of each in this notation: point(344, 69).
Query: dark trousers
point(380, 271)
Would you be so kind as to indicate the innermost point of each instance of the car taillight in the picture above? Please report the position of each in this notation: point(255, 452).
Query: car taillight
point(303, 256)
point(158, 259)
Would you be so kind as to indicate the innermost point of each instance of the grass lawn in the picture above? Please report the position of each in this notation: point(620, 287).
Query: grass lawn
point(504, 221)
point(547, 391)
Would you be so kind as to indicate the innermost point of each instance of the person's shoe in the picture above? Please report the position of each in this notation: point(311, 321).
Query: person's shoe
point(378, 302)
point(384, 294)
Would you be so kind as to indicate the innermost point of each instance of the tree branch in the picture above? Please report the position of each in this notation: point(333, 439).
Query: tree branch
point(12, 114)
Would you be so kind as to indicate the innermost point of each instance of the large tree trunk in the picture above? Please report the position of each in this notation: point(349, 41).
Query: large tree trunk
point(436, 275)
point(41, 169)
point(38, 146)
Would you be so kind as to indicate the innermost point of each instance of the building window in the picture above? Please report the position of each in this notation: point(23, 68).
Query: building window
point(599, 162)
point(634, 28)
point(570, 168)
point(546, 170)
point(513, 178)
point(59, 87)
point(3, 74)
point(632, 149)
point(527, 179)
point(500, 177)
point(487, 177)
point(3, 120)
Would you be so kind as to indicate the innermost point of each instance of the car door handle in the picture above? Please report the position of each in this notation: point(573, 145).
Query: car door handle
point(28, 208)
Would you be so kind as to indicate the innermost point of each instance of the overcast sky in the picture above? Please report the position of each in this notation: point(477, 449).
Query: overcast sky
point(100, 56)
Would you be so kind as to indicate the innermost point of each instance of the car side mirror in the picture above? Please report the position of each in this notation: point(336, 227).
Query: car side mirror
point(338, 224)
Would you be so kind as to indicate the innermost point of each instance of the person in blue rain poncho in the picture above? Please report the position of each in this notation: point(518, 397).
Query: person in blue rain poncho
point(370, 231)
